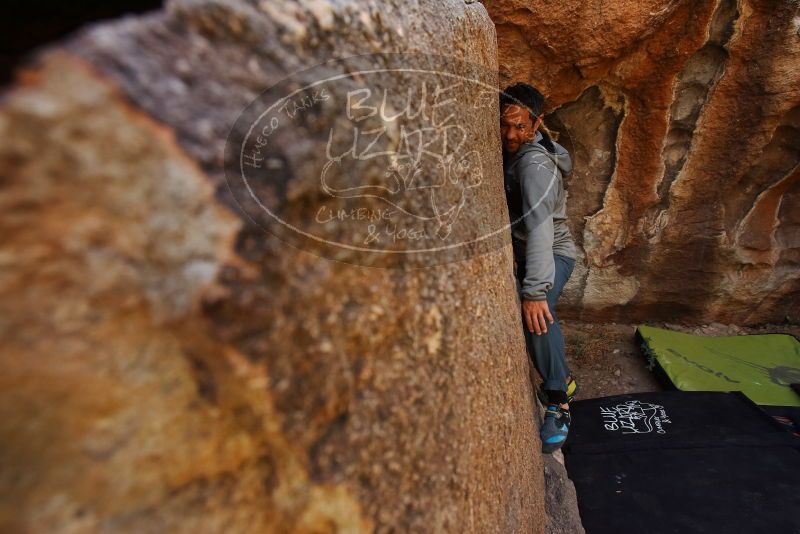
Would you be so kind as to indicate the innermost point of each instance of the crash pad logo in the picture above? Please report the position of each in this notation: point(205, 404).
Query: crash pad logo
point(635, 417)
point(372, 157)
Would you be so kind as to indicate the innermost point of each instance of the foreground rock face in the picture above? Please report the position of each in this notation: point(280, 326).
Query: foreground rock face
point(684, 121)
point(169, 366)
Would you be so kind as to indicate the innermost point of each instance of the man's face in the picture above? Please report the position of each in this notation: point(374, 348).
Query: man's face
point(516, 127)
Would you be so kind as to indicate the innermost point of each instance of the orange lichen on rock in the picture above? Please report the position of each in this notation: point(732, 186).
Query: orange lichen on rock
point(684, 113)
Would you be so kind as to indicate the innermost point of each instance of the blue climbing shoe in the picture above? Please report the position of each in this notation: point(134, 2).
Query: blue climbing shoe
point(554, 429)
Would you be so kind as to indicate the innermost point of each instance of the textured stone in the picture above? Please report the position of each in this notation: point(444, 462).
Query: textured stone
point(169, 366)
point(682, 117)
point(561, 501)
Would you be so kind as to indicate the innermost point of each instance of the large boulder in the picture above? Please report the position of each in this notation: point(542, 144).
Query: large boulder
point(175, 361)
point(684, 121)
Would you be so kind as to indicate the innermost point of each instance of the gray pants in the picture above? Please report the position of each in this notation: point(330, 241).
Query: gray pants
point(548, 350)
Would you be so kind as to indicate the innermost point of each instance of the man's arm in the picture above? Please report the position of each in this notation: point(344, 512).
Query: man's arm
point(538, 181)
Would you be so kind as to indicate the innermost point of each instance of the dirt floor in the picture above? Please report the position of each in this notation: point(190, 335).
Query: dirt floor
point(606, 359)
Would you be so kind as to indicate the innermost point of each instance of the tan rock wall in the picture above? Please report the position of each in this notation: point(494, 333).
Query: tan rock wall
point(682, 117)
point(169, 366)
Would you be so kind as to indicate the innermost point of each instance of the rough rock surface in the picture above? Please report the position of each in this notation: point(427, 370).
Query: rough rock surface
point(167, 366)
point(684, 120)
point(560, 500)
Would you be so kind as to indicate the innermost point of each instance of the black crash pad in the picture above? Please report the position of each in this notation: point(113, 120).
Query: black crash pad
point(682, 462)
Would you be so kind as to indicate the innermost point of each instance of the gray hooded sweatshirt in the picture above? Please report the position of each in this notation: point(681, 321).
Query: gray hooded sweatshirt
point(537, 207)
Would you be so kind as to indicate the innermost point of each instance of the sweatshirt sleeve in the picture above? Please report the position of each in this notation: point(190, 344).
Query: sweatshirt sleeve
point(538, 181)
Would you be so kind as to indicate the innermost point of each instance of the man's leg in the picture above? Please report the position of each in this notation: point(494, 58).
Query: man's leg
point(548, 350)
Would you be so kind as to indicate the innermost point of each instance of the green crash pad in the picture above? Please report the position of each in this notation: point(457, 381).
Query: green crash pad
point(760, 366)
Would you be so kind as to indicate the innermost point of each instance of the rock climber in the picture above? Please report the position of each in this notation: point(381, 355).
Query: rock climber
point(544, 252)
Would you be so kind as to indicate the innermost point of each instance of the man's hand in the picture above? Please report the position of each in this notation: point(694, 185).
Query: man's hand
point(536, 313)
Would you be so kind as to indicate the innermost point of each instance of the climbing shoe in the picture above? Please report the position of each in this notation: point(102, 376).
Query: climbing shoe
point(572, 391)
point(555, 428)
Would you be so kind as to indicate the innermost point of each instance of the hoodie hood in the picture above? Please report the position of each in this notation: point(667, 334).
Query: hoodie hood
point(558, 155)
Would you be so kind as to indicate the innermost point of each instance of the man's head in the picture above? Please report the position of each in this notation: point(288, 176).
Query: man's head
point(521, 109)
